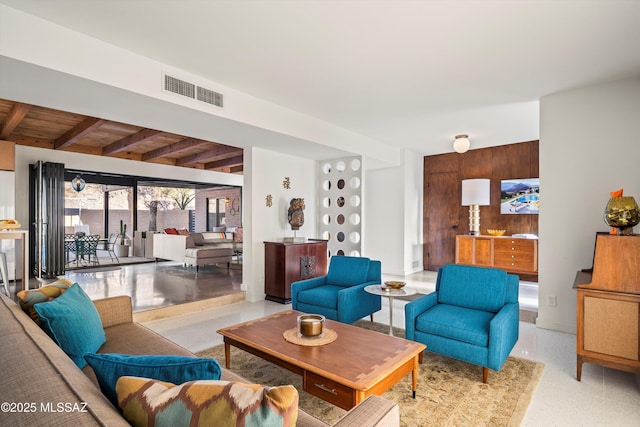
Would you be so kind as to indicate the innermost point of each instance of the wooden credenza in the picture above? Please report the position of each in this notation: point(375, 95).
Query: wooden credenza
point(515, 255)
point(285, 263)
point(608, 306)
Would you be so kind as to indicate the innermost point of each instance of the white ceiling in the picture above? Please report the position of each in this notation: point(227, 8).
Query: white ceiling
point(406, 73)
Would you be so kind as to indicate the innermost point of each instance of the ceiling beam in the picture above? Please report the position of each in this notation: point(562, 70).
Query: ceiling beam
point(130, 141)
point(236, 169)
point(77, 132)
point(220, 152)
point(15, 116)
point(174, 148)
point(224, 163)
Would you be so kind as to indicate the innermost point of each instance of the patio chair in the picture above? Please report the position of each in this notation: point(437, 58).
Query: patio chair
point(88, 245)
point(69, 246)
point(110, 246)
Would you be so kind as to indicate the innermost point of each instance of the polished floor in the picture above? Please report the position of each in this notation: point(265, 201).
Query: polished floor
point(604, 397)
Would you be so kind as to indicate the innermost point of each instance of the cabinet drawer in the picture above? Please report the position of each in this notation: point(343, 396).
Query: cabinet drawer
point(329, 390)
point(516, 263)
point(520, 245)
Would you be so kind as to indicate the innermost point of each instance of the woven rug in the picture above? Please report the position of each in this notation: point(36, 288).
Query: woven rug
point(450, 392)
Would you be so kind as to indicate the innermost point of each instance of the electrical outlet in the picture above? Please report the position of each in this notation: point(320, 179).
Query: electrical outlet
point(552, 301)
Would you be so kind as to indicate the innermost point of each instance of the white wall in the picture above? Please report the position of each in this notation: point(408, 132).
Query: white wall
point(393, 215)
point(64, 51)
point(588, 147)
point(265, 172)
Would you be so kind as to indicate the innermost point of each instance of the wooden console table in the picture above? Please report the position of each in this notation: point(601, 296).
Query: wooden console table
point(513, 254)
point(608, 310)
point(285, 263)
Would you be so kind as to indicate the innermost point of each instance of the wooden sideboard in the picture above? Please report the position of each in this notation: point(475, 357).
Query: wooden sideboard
point(515, 255)
point(285, 263)
point(608, 309)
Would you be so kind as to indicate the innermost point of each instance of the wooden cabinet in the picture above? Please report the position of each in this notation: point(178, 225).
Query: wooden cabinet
point(515, 255)
point(608, 309)
point(285, 263)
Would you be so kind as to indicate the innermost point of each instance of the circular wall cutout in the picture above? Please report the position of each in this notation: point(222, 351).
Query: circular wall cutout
point(326, 219)
point(340, 201)
point(354, 182)
point(355, 219)
point(354, 200)
point(326, 202)
point(340, 252)
point(326, 185)
point(354, 253)
point(326, 235)
point(355, 164)
point(326, 168)
point(340, 219)
point(340, 237)
point(354, 237)
point(341, 184)
point(340, 166)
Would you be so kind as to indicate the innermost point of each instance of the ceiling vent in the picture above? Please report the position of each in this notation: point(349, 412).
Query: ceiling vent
point(190, 90)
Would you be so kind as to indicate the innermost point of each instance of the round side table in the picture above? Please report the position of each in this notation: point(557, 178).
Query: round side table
point(391, 293)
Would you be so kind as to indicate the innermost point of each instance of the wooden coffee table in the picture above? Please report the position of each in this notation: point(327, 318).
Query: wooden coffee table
point(344, 372)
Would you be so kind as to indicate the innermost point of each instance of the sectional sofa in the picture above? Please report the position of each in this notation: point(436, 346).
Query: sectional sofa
point(36, 375)
point(197, 249)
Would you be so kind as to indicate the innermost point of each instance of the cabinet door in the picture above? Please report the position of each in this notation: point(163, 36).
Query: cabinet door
point(483, 252)
point(464, 250)
point(611, 327)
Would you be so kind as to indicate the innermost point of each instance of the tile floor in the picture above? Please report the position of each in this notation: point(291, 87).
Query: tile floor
point(604, 397)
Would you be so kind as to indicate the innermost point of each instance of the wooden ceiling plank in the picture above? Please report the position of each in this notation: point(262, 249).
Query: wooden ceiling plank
point(74, 134)
point(15, 116)
point(232, 161)
point(130, 141)
point(174, 148)
point(221, 151)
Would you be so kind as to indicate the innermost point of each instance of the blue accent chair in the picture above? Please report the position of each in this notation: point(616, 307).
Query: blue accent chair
point(340, 295)
point(472, 316)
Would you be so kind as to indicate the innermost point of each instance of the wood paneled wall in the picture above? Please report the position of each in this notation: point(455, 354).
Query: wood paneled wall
point(444, 217)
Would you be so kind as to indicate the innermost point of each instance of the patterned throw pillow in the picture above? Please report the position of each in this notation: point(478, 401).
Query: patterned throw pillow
point(237, 236)
point(28, 298)
point(146, 402)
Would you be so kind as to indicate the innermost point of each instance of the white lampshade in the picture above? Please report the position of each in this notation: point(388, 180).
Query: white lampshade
point(476, 192)
point(461, 144)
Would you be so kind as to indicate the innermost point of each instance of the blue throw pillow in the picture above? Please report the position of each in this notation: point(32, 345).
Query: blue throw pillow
point(73, 322)
point(174, 369)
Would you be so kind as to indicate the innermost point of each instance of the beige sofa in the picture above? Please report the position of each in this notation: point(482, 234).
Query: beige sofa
point(197, 249)
point(36, 375)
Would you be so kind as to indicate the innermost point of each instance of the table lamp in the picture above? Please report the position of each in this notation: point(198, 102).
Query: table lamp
point(475, 193)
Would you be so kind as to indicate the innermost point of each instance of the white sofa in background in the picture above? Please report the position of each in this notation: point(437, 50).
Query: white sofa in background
point(195, 249)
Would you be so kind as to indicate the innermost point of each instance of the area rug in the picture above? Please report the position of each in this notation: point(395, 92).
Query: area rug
point(450, 392)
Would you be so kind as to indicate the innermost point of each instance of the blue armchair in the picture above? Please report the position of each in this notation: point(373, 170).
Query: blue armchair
point(472, 316)
point(340, 295)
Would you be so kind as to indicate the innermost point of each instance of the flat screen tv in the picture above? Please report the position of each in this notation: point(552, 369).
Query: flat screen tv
point(520, 196)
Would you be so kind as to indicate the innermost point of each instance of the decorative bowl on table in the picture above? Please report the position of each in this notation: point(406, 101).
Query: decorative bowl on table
point(392, 285)
point(9, 224)
point(493, 232)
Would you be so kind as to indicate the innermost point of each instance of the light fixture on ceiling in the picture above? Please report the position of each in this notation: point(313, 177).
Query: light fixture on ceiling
point(475, 193)
point(78, 183)
point(461, 143)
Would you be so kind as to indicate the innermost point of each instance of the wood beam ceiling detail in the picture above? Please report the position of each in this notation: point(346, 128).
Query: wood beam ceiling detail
point(220, 152)
point(176, 147)
point(130, 141)
point(74, 134)
point(224, 163)
point(13, 119)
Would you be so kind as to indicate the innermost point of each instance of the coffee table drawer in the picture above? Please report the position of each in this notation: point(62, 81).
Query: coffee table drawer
point(329, 390)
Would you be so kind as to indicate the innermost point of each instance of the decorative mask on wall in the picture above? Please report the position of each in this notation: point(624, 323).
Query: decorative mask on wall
point(296, 213)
